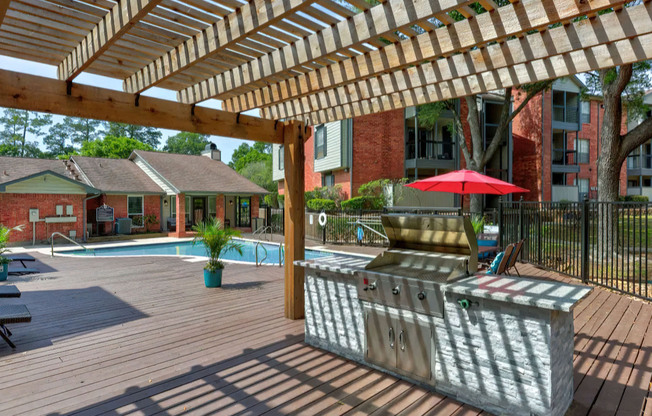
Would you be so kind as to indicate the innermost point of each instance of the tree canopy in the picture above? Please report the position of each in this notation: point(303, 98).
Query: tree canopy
point(186, 143)
point(113, 147)
point(147, 135)
point(245, 154)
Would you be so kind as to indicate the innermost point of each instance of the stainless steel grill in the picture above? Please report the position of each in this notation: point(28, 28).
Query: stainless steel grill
point(424, 252)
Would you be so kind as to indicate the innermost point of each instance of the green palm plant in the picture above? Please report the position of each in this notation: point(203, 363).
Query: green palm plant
point(217, 240)
point(4, 239)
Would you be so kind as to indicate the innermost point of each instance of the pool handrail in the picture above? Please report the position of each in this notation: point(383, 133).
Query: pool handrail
point(259, 243)
point(66, 238)
point(264, 230)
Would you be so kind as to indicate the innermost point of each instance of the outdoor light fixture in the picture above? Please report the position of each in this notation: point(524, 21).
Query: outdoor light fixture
point(165, 203)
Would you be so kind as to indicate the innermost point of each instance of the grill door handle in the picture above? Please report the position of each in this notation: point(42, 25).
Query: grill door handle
point(391, 338)
point(401, 340)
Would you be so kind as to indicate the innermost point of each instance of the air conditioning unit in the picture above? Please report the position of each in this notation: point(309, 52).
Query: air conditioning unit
point(123, 225)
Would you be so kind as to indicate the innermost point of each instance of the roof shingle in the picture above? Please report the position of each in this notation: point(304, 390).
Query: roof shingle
point(14, 168)
point(190, 173)
point(116, 175)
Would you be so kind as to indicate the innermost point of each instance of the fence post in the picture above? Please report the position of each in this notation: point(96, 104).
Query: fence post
point(500, 222)
point(539, 230)
point(521, 226)
point(584, 266)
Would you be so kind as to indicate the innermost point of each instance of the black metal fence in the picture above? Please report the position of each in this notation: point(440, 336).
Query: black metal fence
point(606, 243)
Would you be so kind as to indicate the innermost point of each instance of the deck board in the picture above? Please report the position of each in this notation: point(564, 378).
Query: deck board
point(143, 336)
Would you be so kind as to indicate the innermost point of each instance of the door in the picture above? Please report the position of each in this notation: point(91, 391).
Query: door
point(198, 209)
point(244, 212)
point(413, 346)
point(380, 334)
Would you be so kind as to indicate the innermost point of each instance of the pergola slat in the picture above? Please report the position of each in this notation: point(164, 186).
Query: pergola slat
point(506, 21)
point(112, 26)
point(223, 34)
point(33, 93)
point(4, 5)
point(602, 56)
point(377, 21)
point(610, 27)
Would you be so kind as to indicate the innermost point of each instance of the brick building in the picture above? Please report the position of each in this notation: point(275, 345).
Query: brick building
point(550, 148)
point(157, 191)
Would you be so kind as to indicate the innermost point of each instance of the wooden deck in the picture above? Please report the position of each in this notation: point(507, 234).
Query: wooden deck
point(143, 336)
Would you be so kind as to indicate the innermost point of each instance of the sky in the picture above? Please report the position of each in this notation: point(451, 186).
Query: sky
point(225, 144)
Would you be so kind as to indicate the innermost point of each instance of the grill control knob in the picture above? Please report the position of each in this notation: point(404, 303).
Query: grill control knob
point(421, 295)
point(372, 286)
point(396, 290)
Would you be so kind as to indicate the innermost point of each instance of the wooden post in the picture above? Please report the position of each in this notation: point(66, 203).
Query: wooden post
point(181, 216)
point(294, 218)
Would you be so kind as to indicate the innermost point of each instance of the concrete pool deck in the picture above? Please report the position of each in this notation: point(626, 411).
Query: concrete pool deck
point(144, 336)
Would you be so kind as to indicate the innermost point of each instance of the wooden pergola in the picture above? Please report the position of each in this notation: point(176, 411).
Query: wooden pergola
point(301, 62)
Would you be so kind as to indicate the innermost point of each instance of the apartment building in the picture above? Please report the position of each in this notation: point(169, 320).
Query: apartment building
point(639, 162)
point(551, 147)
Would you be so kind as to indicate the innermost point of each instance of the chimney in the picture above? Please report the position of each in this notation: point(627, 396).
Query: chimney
point(212, 151)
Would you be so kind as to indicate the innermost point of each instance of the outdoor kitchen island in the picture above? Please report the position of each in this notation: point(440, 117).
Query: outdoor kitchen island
point(499, 343)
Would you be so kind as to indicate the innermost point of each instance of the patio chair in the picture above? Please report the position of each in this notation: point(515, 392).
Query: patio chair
point(505, 260)
point(12, 314)
point(512, 260)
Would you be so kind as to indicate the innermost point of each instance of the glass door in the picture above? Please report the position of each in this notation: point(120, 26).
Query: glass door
point(198, 210)
point(244, 211)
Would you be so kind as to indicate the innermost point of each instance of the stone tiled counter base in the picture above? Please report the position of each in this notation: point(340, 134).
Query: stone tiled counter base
point(510, 352)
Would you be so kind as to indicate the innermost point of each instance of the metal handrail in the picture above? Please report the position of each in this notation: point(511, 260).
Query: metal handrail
point(264, 230)
point(66, 238)
point(281, 255)
point(358, 222)
point(256, 250)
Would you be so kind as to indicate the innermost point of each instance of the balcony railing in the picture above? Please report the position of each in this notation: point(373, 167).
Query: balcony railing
point(431, 150)
point(639, 161)
point(564, 157)
point(565, 114)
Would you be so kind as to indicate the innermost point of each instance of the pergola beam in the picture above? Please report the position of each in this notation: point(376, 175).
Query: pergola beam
point(34, 93)
point(611, 27)
point(598, 57)
point(235, 27)
point(122, 17)
point(510, 20)
point(4, 5)
point(376, 21)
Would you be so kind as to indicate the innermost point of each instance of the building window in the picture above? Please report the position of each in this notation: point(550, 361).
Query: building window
point(586, 112)
point(281, 158)
point(582, 148)
point(328, 179)
point(135, 210)
point(320, 142)
point(583, 188)
point(173, 206)
point(212, 207)
point(188, 209)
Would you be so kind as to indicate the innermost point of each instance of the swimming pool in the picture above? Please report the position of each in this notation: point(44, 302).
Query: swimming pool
point(186, 248)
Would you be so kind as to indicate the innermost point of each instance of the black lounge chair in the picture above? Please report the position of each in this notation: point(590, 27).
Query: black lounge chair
point(22, 258)
point(22, 270)
point(9, 291)
point(12, 314)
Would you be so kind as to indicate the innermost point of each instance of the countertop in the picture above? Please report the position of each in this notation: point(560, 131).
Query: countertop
point(545, 294)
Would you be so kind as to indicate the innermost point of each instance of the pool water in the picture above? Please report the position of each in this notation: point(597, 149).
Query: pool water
point(188, 249)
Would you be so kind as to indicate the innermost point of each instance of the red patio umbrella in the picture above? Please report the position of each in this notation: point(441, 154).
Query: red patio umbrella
point(466, 182)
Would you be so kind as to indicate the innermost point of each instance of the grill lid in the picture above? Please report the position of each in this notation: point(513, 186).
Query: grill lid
point(439, 248)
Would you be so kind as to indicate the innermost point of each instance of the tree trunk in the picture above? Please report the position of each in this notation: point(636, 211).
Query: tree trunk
point(476, 204)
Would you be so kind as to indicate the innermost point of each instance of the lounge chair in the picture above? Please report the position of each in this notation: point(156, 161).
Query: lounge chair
point(12, 314)
point(22, 258)
point(9, 291)
point(505, 260)
point(512, 261)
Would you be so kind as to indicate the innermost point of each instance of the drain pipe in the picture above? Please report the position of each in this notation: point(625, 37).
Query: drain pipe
point(85, 215)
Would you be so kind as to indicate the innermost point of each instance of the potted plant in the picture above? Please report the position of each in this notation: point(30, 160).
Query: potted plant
point(478, 223)
point(4, 261)
point(217, 240)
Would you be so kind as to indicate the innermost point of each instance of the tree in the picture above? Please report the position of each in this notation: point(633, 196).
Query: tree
point(260, 173)
point(16, 124)
point(620, 87)
point(113, 147)
point(476, 154)
point(147, 135)
point(29, 150)
point(246, 154)
point(186, 143)
point(57, 140)
point(82, 129)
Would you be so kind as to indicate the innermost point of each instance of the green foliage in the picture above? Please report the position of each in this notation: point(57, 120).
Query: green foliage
point(320, 204)
point(113, 147)
point(4, 239)
point(271, 200)
point(246, 154)
point(28, 150)
point(633, 198)
point(363, 203)
point(186, 143)
point(334, 193)
point(477, 221)
point(148, 135)
point(16, 125)
point(260, 173)
point(281, 200)
point(376, 188)
point(428, 114)
point(150, 220)
point(217, 240)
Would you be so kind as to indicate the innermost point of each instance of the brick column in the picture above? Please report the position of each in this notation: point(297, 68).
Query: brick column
point(220, 210)
point(181, 216)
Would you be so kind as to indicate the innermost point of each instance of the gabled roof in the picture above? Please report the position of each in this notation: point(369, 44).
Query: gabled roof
point(13, 168)
point(189, 173)
point(115, 175)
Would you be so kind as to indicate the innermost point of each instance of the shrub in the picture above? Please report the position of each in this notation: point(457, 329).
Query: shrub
point(271, 200)
point(320, 204)
point(376, 188)
point(633, 198)
point(281, 200)
point(363, 202)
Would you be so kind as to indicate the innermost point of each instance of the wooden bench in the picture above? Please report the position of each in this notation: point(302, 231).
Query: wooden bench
point(12, 314)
